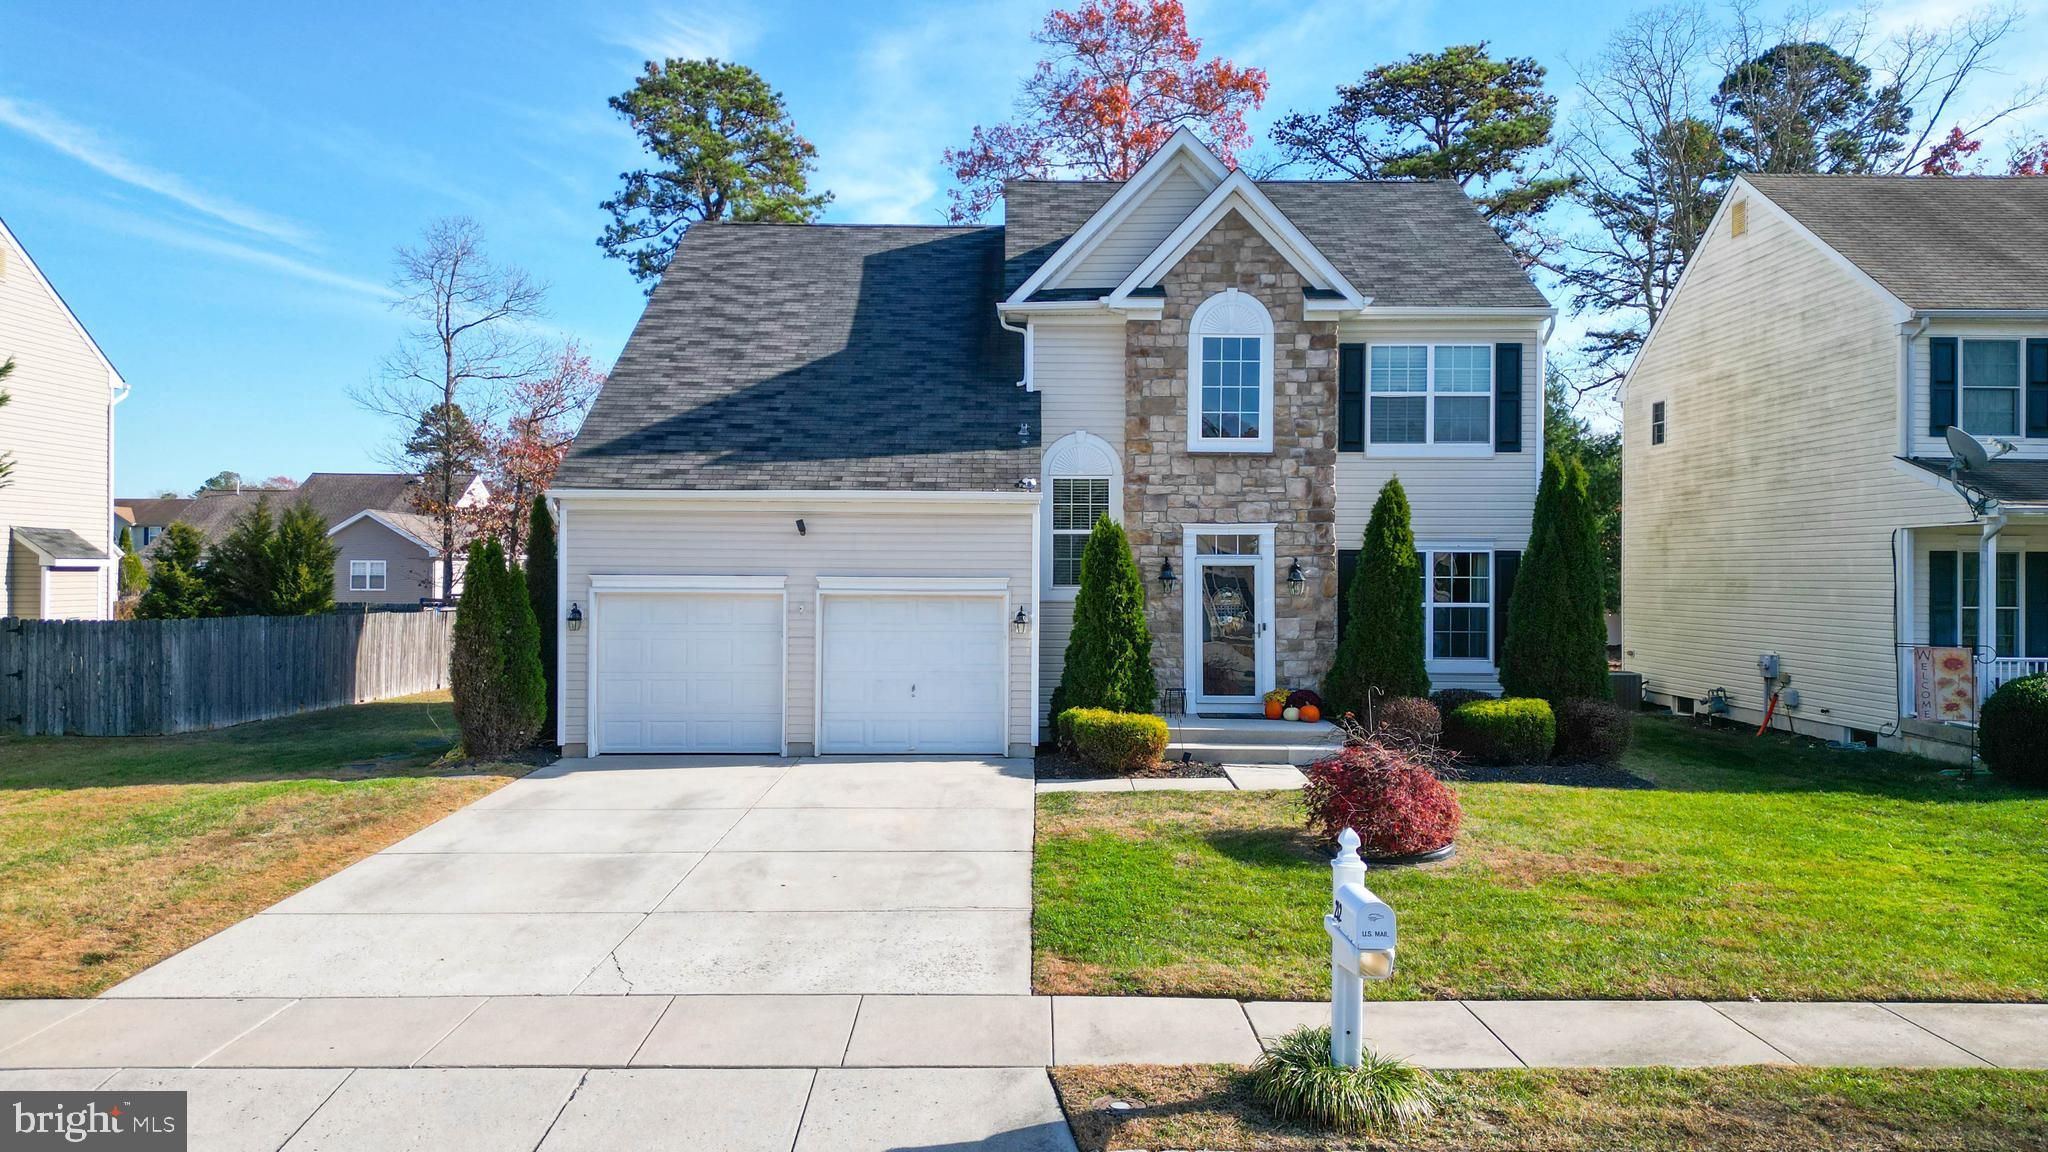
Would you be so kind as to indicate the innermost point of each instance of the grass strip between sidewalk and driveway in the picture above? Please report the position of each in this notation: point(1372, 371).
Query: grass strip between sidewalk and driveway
point(1756, 867)
point(115, 853)
point(1584, 1110)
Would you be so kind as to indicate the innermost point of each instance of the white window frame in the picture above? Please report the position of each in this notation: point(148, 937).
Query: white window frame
point(1428, 445)
point(1266, 675)
point(1969, 572)
point(1225, 315)
point(1075, 456)
point(370, 572)
point(1463, 664)
point(2018, 386)
point(1660, 423)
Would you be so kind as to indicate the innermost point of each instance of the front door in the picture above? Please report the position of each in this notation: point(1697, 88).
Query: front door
point(1229, 608)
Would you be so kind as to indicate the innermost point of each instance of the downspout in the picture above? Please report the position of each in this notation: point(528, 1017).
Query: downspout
point(110, 577)
point(1028, 383)
point(1987, 592)
point(1906, 341)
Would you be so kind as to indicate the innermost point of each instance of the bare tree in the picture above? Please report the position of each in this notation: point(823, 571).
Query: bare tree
point(469, 342)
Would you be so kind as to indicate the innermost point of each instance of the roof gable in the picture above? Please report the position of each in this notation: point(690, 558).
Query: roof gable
point(1239, 194)
point(56, 298)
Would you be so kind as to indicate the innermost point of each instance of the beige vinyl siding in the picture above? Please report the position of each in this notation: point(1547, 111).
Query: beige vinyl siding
point(1925, 443)
point(57, 428)
point(1078, 369)
point(408, 569)
point(641, 537)
point(74, 594)
point(1169, 203)
point(1765, 521)
point(1457, 497)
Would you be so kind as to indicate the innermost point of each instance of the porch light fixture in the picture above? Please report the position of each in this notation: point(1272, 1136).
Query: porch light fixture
point(575, 617)
point(1297, 580)
point(1021, 622)
point(1167, 579)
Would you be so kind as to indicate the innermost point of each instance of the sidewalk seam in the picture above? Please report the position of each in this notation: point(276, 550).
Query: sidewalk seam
point(847, 1049)
point(1752, 1033)
point(439, 1040)
point(804, 1113)
point(82, 1006)
point(347, 1075)
point(222, 1046)
point(1957, 1045)
point(1497, 1037)
point(582, 1078)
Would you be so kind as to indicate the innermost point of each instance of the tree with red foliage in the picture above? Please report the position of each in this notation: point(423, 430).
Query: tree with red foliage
point(1950, 157)
point(1388, 792)
point(546, 409)
point(1122, 76)
point(2030, 159)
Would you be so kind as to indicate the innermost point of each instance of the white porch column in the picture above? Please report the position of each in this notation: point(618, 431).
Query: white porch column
point(1903, 562)
point(1987, 599)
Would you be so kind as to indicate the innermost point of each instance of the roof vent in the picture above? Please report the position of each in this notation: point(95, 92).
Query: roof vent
point(1738, 218)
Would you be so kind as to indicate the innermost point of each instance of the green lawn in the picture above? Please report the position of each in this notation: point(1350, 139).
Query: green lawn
point(1587, 1110)
point(115, 853)
point(1766, 868)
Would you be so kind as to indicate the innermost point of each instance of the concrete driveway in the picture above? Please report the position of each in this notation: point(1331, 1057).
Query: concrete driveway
point(666, 875)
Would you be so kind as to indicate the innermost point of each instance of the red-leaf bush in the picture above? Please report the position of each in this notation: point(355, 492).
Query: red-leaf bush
point(1388, 793)
point(1410, 719)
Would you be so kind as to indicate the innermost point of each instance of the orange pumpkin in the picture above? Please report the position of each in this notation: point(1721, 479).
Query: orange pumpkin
point(1310, 713)
point(1273, 708)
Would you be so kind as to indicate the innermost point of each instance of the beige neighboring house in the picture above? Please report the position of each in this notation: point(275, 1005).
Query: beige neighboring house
point(1792, 493)
point(56, 511)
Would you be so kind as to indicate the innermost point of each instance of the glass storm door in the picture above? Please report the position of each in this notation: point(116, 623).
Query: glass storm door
point(1230, 606)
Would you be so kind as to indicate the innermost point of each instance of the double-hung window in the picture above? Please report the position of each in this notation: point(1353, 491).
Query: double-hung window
point(1430, 395)
point(1969, 598)
point(1077, 503)
point(1230, 373)
point(366, 575)
point(1458, 589)
point(1991, 387)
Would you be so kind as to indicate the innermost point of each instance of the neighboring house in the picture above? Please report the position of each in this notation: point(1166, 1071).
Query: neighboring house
point(1786, 462)
point(56, 522)
point(833, 496)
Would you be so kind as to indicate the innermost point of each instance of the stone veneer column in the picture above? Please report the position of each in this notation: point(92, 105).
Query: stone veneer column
point(1166, 487)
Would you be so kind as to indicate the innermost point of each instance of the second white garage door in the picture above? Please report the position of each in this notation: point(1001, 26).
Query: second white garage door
point(689, 672)
point(912, 674)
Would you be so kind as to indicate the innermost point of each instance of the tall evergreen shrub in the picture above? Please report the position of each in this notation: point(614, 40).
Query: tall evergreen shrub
point(1109, 653)
point(1556, 643)
point(1382, 649)
point(134, 577)
point(542, 593)
point(476, 666)
point(178, 589)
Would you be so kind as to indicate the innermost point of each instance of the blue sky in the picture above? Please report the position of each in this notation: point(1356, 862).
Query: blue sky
point(217, 190)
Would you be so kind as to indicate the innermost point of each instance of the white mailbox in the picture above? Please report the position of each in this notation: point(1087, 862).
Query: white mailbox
point(1362, 938)
point(1362, 926)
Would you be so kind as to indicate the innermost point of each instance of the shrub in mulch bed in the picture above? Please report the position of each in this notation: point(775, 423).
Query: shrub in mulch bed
point(1449, 700)
point(1119, 742)
point(1593, 731)
point(1515, 731)
point(1388, 793)
point(1409, 718)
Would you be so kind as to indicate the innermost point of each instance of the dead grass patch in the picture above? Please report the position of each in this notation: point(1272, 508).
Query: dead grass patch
point(1521, 869)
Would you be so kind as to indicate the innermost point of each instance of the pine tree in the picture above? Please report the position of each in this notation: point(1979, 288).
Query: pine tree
point(178, 589)
point(476, 664)
point(1556, 643)
point(1109, 653)
point(540, 588)
point(238, 566)
point(1382, 649)
point(302, 559)
point(134, 576)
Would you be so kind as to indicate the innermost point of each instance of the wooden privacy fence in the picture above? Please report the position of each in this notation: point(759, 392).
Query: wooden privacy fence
point(154, 677)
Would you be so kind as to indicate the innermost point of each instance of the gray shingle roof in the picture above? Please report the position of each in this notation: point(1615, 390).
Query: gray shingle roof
point(59, 543)
point(336, 496)
point(817, 357)
point(2007, 481)
point(1974, 242)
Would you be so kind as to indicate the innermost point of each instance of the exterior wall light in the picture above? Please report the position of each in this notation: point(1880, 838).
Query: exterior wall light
point(1167, 579)
point(1297, 580)
point(575, 617)
point(1021, 622)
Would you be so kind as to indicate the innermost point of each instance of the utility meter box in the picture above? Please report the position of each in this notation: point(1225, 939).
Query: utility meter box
point(1768, 665)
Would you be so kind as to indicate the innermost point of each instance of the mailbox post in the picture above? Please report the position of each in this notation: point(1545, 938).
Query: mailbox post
point(1361, 930)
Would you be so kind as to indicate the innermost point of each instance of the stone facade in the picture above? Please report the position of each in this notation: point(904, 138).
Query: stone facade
point(1167, 488)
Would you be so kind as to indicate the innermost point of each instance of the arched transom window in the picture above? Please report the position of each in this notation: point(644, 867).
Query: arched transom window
point(1230, 375)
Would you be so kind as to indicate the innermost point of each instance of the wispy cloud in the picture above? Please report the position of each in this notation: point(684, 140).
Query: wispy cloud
point(174, 236)
point(88, 147)
point(700, 33)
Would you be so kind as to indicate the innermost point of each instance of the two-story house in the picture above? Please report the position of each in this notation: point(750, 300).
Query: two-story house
point(1791, 488)
point(834, 494)
point(57, 535)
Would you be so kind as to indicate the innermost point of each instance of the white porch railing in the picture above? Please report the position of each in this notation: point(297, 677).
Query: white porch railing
point(2010, 668)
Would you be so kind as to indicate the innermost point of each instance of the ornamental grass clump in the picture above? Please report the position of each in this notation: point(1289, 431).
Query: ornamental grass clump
point(1296, 1082)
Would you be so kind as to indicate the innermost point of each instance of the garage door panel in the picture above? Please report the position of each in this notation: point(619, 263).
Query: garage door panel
point(689, 672)
point(913, 674)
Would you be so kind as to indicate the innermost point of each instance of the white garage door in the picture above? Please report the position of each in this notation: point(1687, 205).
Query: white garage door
point(913, 674)
point(689, 672)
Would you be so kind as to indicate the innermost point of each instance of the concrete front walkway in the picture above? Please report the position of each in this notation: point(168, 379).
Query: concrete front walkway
point(661, 875)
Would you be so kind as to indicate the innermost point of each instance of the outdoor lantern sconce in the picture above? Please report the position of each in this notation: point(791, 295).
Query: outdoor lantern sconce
point(575, 617)
point(1021, 622)
point(1297, 580)
point(1166, 577)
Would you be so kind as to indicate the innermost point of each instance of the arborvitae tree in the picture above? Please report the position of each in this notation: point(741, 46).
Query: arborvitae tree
point(238, 566)
point(302, 559)
point(1382, 649)
point(134, 576)
point(525, 689)
point(541, 591)
point(178, 589)
point(476, 664)
point(1109, 653)
point(1556, 643)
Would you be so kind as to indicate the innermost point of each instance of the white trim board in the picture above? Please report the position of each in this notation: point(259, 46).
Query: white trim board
point(682, 583)
point(1238, 194)
point(379, 518)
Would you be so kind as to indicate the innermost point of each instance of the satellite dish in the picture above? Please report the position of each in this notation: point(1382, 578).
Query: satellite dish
point(1967, 449)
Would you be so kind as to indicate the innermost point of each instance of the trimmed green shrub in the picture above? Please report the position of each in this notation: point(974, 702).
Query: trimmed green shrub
point(2012, 730)
point(1409, 718)
point(547, 608)
point(1512, 731)
point(1593, 731)
point(1555, 647)
point(526, 684)
point(1109, 652)
point(1449, 700)
point(178, 589)
point(494, 671)
point(134, 577)
point(1295, 1081)
point(1382, 647)
point(1122, 742)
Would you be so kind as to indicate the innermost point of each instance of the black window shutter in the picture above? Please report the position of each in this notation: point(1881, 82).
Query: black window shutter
point(1941, 384)
point(1943, 623)
point(2037, 388)
point(1351, 398)
point(1505, 565)
point(2036, 609)
point(1347, 566)
point(1507, 397)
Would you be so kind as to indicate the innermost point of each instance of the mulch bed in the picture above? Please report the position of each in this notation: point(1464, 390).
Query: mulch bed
point(1055, 765)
